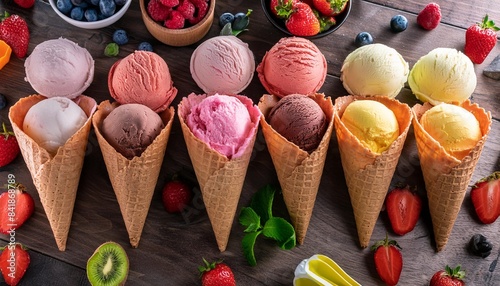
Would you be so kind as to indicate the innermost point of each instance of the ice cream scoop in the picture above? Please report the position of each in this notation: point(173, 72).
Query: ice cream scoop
point(443, 75)
point(221, 121)
point(293, 65)
point(300, 120)
point(455, 128)
point(59, 67)
point(320, 269)
point(51, 122)
point(374, 69)
point(131, 128)
point(374, 124)
point(144, 78)
point(222, 64)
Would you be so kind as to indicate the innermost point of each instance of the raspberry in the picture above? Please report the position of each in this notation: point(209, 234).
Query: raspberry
point(202, 8)
point(157, 11)
point(187, 9)
point(169, 3)
point(430, 16)
point(175, 20)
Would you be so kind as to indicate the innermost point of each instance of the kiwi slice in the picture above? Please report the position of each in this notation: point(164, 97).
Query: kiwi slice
point(108, 266)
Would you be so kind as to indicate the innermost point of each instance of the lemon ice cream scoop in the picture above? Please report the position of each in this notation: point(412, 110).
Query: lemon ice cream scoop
point(443, 75)
point(455, 128)
point(373, 123)
point(374, 69)
point(320, 269)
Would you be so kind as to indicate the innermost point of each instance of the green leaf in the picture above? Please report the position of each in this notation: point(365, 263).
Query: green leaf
point(280, 230)
point(250, 219)
point(262, 203)
point(247, 244)
point(226, 30)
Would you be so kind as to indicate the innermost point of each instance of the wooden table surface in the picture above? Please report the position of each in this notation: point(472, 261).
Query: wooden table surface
point(173, 245)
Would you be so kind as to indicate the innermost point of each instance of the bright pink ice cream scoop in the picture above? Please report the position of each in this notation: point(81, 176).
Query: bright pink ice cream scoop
point(144, 78)
point(292, 65)
point(226, 123)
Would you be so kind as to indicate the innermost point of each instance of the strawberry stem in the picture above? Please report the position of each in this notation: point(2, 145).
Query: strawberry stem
point(455, 272)
point(488, 24)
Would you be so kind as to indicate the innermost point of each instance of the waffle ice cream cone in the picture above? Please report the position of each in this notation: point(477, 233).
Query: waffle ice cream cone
point(368, 175)
point(446, 178)
point(299, 172)
point(133, 180)
point(55, 177)
point(221, 179)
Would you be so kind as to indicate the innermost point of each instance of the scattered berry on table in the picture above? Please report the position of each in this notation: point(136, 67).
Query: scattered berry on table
point(120, 37)
point(216, 274)
point(111, 50)
point(76, 13)
point(23, 204)
point(20, 255)
point(225, 18)
point(14, 31)
point(403, 206)
point(107, 7)
point(90, 15)
point(9, 148)
point(25, 3)
point(241, 20)
point(176, 195)
point(363, 38)
point(448, 276)
point(480, 39)
point(430, 16)
point(399, 23)
point(145, 46)
point(480, 246)
point(3, 101)
point(388, 260)
point(485, 196)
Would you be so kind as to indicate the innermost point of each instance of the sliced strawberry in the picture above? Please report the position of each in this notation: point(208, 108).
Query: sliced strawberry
point(403, 208)
point(16, 207)
point(14, 272)
point(485, 196)
point(388, 260)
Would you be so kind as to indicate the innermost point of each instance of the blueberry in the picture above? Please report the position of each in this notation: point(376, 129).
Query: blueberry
point(241, 21)
point(120, 2)
point(226, 18)
point(93, 2)
point(76, 13)
point(399, 23)
point(64, 6)
point(107, 7)
point(480, 246)
point(3, 101)
point(120, 37)
point(145, 46)
point(77, 2)
point(363, 38)
point(91, 15)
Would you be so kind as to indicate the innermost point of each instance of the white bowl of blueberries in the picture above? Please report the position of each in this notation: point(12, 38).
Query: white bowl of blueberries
point(90, 14)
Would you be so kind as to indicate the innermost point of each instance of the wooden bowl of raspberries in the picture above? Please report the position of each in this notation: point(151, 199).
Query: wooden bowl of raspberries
point(178, 22)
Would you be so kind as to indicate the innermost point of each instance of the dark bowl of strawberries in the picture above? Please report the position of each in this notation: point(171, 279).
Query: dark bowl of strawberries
point(178, 22)
point(307, 18)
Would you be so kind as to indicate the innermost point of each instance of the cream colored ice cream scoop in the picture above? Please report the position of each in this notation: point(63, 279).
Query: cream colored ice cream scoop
point(374, 69)
point(443, 75)
point(373, 123)
point(455, 128)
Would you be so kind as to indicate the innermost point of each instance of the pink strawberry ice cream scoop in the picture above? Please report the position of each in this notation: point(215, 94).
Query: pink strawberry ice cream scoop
point(225, 122)
point(59, 68)
point(144, 78)
point(292, 65)
point(222, 64)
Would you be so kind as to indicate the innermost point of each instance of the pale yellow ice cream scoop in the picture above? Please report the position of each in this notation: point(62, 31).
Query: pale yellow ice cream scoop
point(373, 123)
point(455, 128)
point(374, 69)
point(443, 75)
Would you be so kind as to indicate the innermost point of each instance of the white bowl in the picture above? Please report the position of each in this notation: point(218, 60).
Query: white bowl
point(92, 25)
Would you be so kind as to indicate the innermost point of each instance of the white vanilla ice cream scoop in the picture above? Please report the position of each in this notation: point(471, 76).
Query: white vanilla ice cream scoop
point(51, 122)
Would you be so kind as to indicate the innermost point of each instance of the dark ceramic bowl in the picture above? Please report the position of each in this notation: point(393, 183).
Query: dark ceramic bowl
point(280, 24)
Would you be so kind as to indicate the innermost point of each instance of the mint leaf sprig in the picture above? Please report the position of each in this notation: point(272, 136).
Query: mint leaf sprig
point(258, 219)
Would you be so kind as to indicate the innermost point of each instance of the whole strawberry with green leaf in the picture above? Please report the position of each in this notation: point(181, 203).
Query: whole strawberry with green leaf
point(14, 31)
point(330, 7)
point(448, 277)
point(480, 39)
point(216, 274)
point(300, 19)
point(9, 148)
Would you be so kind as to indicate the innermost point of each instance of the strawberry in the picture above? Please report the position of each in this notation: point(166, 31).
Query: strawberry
point(9, 148)
point(14, 31)
point(403, 208)
point(430, 16)
point(216, 274)
point(176, 195)
point(158, 11)
point(330, 7)
point(25, 3)
point(485, 196)
point(448, 277)
point(16, 206)
point(388, 260)
point(274, 6)
point(300, 19)
point(14, 262)
point(480, 39)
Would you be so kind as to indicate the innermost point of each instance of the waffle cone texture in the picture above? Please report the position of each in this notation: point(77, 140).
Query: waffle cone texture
point(298, 171)
point(446, 178)
point(368, 175)
point(221, 178)
point(56, 176)
point(133, 180)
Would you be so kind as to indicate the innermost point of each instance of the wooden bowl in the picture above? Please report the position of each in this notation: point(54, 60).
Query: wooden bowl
point(178, 37)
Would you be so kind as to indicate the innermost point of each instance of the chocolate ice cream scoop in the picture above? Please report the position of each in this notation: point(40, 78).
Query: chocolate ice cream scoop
point(300, 120)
